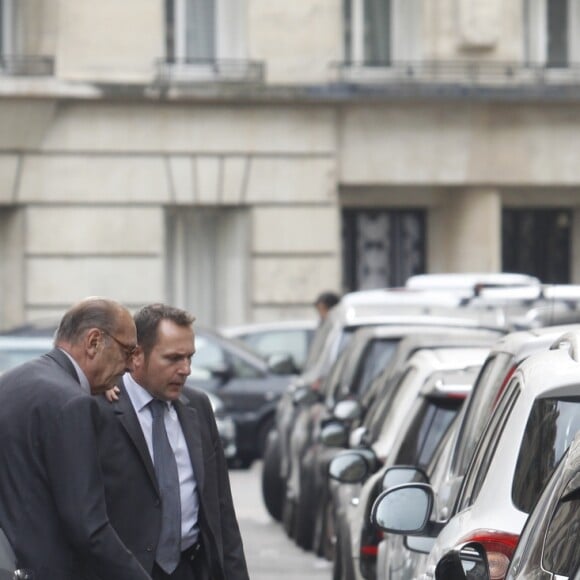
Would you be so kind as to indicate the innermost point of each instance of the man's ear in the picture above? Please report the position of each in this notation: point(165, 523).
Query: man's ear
point(93, 339)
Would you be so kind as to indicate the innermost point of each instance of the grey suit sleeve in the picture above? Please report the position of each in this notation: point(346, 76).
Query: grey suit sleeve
point(70, 446)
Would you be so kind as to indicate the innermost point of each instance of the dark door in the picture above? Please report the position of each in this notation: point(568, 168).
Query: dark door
point(382, 248)
point(537, 242)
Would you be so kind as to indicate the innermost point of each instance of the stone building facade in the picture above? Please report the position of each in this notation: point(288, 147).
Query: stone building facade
point(235, 157)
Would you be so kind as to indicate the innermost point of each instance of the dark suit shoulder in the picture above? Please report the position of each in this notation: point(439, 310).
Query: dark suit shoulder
point(196, 398)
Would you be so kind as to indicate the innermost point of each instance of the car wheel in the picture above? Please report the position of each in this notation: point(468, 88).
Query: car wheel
point(324, 542)
point(337, 564)
point(305, 506)
point(289, 517)
point(263, 434)
point(273, 488)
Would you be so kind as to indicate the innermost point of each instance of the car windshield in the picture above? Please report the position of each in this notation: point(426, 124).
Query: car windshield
point(551, 428)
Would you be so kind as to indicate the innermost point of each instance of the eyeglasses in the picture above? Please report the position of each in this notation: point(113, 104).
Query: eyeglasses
point(128, 349)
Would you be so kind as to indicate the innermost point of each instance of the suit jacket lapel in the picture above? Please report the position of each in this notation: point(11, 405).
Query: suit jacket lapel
point(127, 416)
point(188, 417)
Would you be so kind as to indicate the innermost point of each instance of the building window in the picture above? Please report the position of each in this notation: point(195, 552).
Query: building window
point(380, 32)
point(204, 31)
point(552, 29)
point(7, 27)
point(537, 242)
point(382, 248)
point(367, 32)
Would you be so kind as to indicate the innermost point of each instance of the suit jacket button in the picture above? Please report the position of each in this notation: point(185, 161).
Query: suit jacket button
point(157, 503)
point(149, 548)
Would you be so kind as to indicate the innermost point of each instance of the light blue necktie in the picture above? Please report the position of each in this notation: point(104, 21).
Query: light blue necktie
point(169, 546)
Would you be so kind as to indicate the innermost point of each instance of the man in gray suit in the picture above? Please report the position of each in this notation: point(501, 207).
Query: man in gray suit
point(166, 480)
point(52, 503)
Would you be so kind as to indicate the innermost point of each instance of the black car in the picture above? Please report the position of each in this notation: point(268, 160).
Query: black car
point(248, 385)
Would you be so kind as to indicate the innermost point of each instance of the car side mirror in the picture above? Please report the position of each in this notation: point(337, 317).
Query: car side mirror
point(349, 467)
point(400, 474)
point(281, 363)
point(465, 563)
point(221, 371)
point(334, 434)
point(405, 509)
point(357, 437)
point(347, 410)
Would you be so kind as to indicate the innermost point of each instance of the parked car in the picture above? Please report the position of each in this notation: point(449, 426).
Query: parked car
point(356, 310)
point(291, 337)
point(548, 546)
point(418, 410)
point(405, 558)
point(533, 424)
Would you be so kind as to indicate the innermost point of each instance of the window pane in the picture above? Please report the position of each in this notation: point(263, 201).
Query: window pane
point(550, 429)
point(347, 24)
point(428, 429)
point(376, 360)
point(557, 32)
point(292, 342)
point(377, 42)
point(200, 29)
point(561, 553)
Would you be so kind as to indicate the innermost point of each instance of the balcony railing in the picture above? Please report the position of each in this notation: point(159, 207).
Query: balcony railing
point(186, 70)
point(26, 66)
point(457, 72)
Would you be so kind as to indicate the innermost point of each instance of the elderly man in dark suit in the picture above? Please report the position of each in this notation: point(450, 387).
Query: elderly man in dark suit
point(167, 486)
point(52, 503)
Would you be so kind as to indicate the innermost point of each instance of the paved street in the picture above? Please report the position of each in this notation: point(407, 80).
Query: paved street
point(269, 552)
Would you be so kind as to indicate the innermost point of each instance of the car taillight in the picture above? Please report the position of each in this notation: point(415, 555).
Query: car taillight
point(370, 543)
point(499, 548)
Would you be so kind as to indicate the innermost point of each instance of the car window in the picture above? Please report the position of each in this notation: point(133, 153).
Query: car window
point(561, 553)
point(293, 342)
point(485, 450)
point(427, 429)
point(550, 429)
point(374, 361)
point(479, 406)
point(210, 356)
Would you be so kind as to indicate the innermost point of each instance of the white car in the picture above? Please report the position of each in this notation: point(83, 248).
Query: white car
point(548, 546)
point(535, 421)
point(398, 561)
point(423, 375)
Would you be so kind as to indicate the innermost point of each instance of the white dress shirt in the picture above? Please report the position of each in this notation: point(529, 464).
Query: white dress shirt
point(140, 399)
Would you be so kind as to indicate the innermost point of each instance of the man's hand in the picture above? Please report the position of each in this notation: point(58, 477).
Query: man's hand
point(112, 394)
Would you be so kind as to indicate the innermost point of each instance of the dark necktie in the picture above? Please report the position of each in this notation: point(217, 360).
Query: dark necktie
point(169, 546)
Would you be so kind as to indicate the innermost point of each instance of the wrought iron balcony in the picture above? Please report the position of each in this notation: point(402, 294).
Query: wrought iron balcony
point(188, 70)
point(26, 66)
point(471, 73)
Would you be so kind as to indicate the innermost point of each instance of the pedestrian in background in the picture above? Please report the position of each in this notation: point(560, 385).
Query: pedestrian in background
point(324, 302)
point(166, 477)
point(52, 501)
